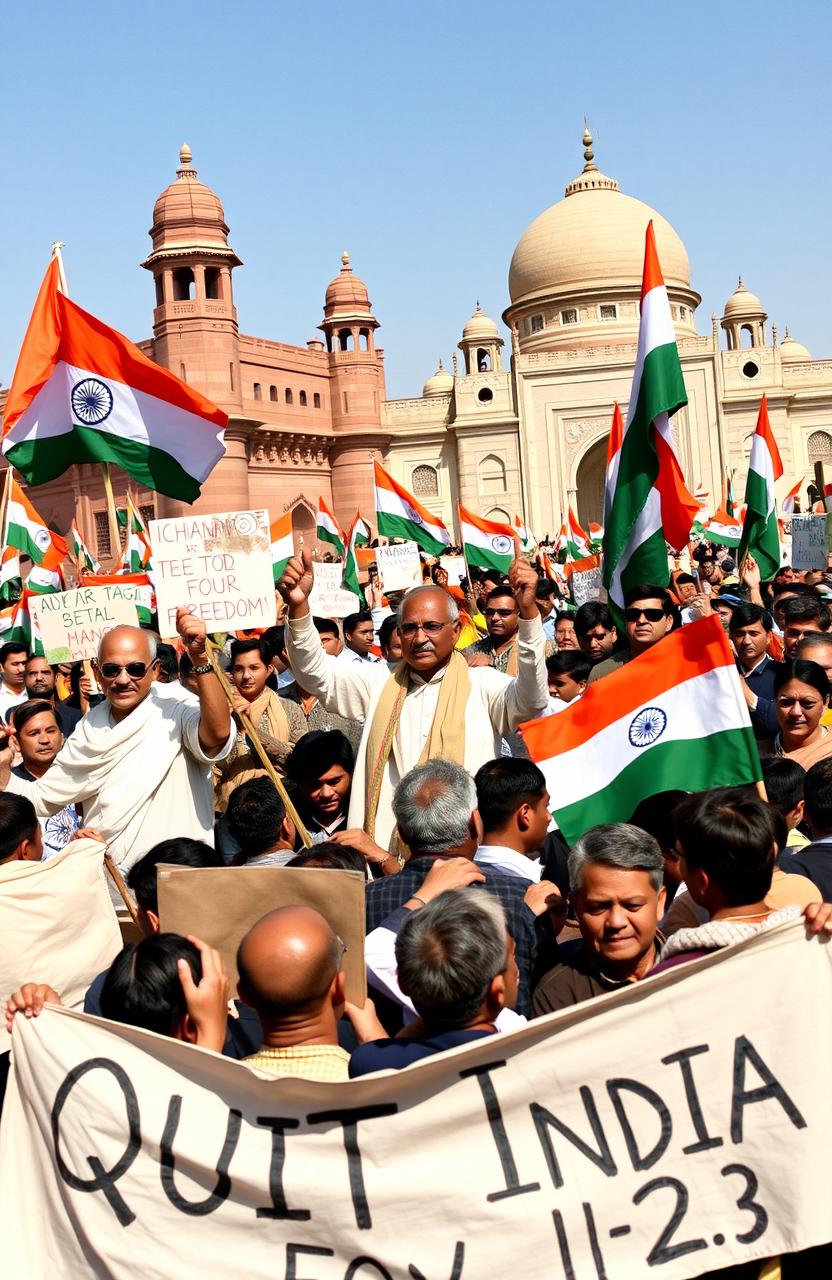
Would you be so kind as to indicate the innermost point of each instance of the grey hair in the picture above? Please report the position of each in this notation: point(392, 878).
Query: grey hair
point(150, 636)
point(433, 804)
point(453, 607)
point(812, 640)
point(619, 845)
point(449, 952)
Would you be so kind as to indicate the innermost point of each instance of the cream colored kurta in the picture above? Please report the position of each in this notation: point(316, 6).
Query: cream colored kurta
point(497, 704)
point(140, 781)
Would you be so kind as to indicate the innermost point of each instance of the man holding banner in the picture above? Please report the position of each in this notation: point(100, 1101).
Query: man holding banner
point(140, 761)
point(433, 704)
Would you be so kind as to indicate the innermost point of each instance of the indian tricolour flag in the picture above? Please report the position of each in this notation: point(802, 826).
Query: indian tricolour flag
point(673, 718)
point(28, 531)
point(327, 528)
point(11, 581)
point(81, 553)
point(349, 580)
point(723, 529)
point(760, 532)
point(650, 504)
point(283, 544)
point(486, 544)
point(400, 515)
point(82, 392)
point(24, 628)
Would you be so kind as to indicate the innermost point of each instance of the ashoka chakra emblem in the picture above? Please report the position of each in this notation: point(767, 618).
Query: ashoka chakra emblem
point(92, 401)
point(413, 514)
point(647, 726)
point(501, 545)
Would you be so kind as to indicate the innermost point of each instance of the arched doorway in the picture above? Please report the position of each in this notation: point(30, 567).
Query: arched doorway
point(590, 483)
point(303, 523)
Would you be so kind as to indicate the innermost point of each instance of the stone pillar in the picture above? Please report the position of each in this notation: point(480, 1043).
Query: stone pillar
point(226, 488)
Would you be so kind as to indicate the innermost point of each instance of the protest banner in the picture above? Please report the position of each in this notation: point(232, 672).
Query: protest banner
point(399, 566)
point(328, 598)
point(587, 580)
point(611, 1141)
point(220, 905)
point(71, 623)
point(219, 566)
point(56, 918)
point(455, 567)
point(809, 549)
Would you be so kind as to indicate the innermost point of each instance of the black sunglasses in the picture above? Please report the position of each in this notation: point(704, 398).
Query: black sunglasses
point(135, 670)
point(652, 615)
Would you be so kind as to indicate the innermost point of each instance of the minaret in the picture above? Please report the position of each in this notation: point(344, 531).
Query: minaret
point(356, 391)
point(195, 332)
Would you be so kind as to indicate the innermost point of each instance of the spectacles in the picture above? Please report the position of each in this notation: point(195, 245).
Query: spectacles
point(652, 615)
point(136, 670)
point(498, 613)
point(409, 629)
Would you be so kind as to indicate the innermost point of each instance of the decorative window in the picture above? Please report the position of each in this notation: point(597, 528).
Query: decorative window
point(608, 311)
point(302, 399)
point(147, 513)
point(492, 474)
point(316, 401)
point(287, 396)
point(273, 393)
point(569, 317)
point(258, 395)
point(425, 482)
point(102, 534)
point(536, 324)
point(819, 446)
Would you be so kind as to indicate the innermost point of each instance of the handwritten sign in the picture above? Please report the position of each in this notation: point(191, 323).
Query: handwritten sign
point(72, 623)
point(455, 568)
point(328, 598)
point(219, 565)
point(587, 585)
point(399, 566)
point(809, 542)
point(615, 1139)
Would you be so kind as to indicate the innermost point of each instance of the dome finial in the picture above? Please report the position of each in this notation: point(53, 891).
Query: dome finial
point(346, 269)
point(740, 284)
point(186, 168)
point(589, 154)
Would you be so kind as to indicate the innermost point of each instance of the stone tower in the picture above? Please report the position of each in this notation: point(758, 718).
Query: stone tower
point(195, 332)
point(356, 391)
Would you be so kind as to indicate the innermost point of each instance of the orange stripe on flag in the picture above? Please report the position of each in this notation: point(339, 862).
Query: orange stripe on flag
point(689, 652)
point(485, 526)
point(385, 481)
point(652, 276)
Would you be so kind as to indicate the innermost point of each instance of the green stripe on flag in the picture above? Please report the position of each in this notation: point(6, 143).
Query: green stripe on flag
point(647, 564)
point(400, 527)
point(43, 460)
point(760, 534)
point(725, 759)
point(480, 558)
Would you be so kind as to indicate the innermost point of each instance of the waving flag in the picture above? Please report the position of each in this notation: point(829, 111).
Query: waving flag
point(136, 555)
point(613, 457)
point(81, 553)
point(787, 505)
point(24, 628)
point(82, 392)
point(760, 533)
point(651, 504)
point(29, 533)
point(486, 544)
point(327, 529)
point(723, 529)
point(283, 544)
point(11, 581)
point(577, 539)
point(400, 515)
point(349, 580)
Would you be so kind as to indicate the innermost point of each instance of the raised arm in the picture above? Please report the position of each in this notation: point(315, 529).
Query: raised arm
point(214, 712)
point(342, 687)
point(527, 695)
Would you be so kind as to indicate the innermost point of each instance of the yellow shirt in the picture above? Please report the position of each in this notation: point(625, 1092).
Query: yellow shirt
point(326, 1062)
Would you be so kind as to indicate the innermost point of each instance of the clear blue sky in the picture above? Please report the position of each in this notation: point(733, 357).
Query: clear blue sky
point(422, 137)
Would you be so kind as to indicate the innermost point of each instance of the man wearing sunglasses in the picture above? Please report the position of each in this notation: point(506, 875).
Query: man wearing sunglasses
point(140, 761)
point(648, 618)
point(433, 704)
point(499, 648)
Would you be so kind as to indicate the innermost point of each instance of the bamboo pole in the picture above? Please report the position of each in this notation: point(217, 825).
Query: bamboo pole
point(115, 875)
point(254, 738)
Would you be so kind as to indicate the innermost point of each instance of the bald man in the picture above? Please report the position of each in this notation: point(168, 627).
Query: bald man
point(140, 762)
point(289, 967)
point(433, 704)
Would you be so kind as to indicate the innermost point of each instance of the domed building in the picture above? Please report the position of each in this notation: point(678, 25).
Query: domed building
point(520, 436)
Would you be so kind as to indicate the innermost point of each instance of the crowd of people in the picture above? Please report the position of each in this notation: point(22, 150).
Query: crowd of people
point(393, 739)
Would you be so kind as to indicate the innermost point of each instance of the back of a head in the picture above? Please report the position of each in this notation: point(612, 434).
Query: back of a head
point(387, 630)
point(591, 614)
point(168, 663)
point(449, 953)
point(143, 987)
point(544, 589)
point(729, 833)
point(329, 856)
point(619, 845)
point(655, 815)
point(503, 785)
point(179, 851)
point(317, 752)
point(817, 793)
point(18, 822)
point(287, 962)
point(433, 804)
point(275, 638)
point(784, 780)
point(255, 815)
point(326, 626)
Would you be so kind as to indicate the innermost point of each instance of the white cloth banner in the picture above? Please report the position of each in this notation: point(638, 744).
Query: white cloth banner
point(682, 1124)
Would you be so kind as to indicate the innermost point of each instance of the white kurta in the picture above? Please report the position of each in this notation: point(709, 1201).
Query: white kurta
point(497, 704)
point(140, 781)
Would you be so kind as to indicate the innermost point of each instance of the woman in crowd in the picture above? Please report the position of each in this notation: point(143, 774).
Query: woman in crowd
point(801, 695)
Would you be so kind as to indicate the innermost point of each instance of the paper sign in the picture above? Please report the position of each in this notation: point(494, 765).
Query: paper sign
point(678, 1125)
point(455, 567)
point(809, 542)
point(219, 565)
point(328, 598)
point(220, 904)
point(72, 623)
point(399, 566)
point(587, 585)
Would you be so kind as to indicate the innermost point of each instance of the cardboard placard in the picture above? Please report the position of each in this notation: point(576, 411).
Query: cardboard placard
point(399, 566)
point(587, 585)
point(218, 565)
point(328, 598)
point(455, 568)
point(809, 542)
point(71, 623)
point(220, 904)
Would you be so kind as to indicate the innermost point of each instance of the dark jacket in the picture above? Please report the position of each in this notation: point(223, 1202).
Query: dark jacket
point(814, 862)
